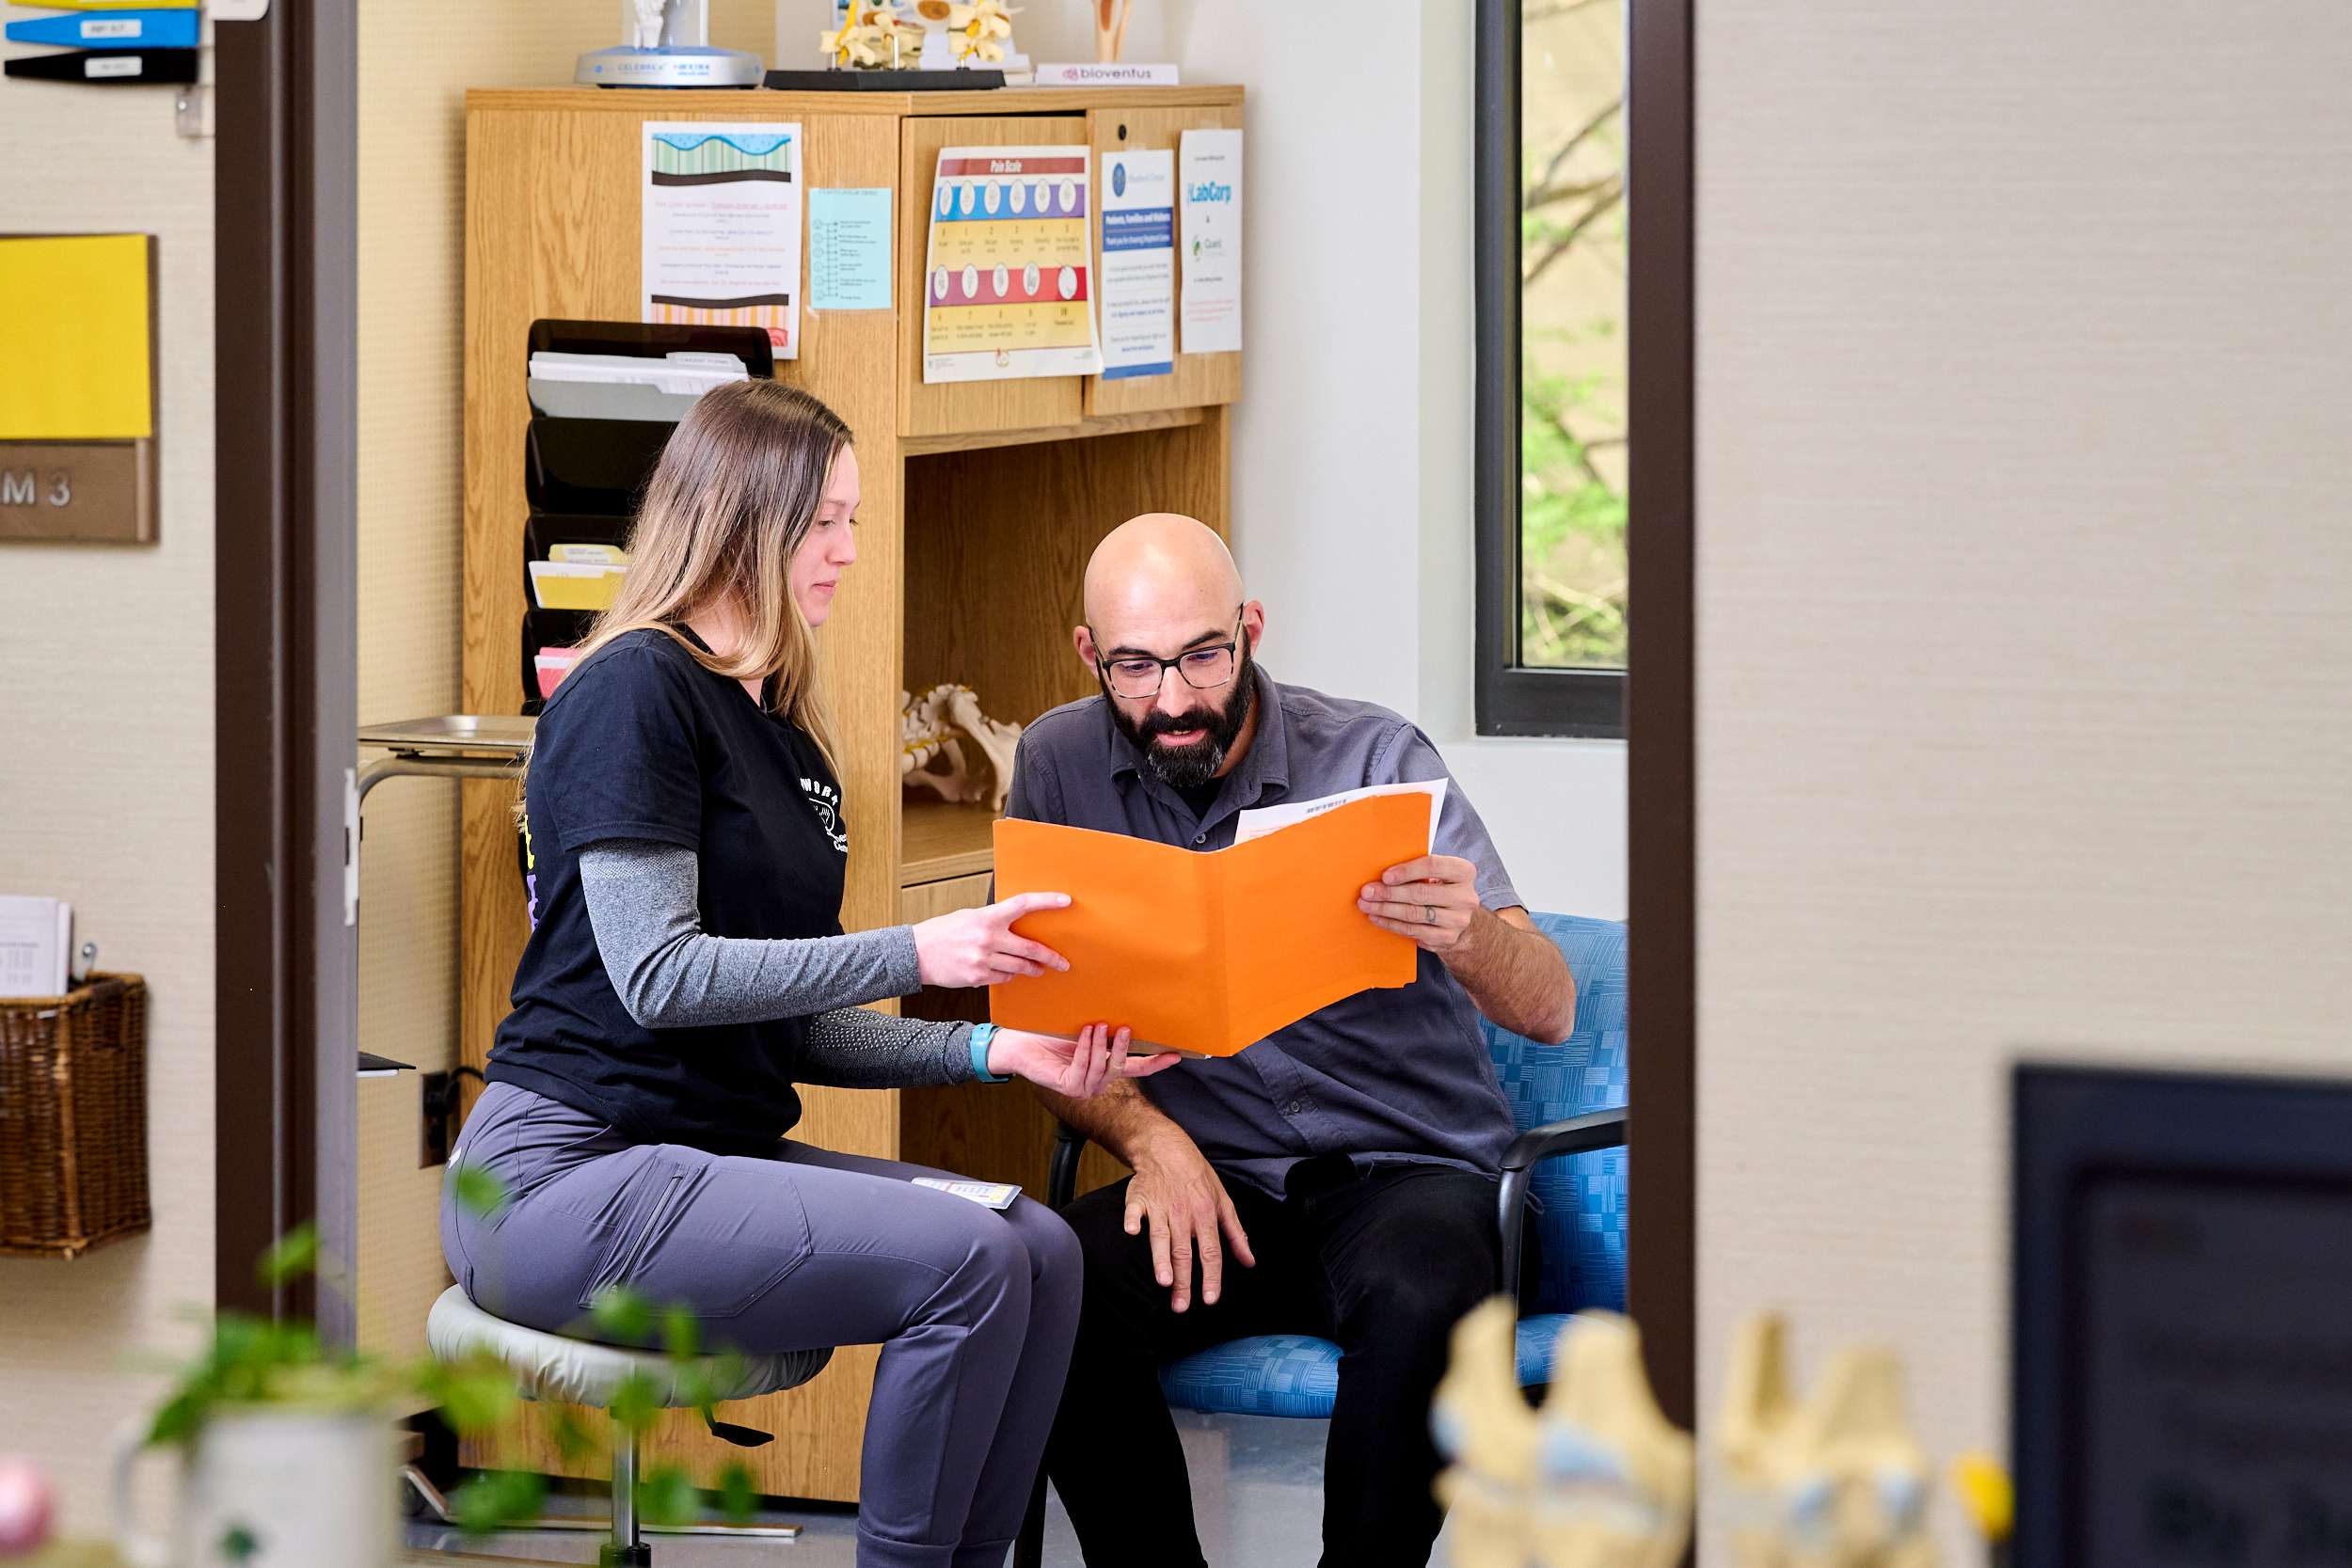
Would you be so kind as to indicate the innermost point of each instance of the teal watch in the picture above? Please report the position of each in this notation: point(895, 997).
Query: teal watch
point(981, 1034)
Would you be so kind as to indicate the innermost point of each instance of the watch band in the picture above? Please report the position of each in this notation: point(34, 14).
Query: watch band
point(981, 1034)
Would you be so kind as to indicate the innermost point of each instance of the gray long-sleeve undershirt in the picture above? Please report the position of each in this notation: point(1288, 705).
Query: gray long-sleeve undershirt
point(645, 907)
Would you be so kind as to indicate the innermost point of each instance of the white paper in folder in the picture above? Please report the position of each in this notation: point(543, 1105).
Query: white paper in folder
point(1267, 820)
point(628, 387)
point(36, 946)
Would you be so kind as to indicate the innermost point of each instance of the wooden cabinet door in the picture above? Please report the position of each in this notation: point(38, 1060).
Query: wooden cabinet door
point(929, 900)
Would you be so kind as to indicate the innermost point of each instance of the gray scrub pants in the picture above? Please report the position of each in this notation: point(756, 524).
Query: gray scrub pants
point(975, 1311)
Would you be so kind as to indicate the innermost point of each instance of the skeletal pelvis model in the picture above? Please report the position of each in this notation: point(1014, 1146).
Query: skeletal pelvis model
point(1836, 1481)
point(932, 730)
point(1598, 1478)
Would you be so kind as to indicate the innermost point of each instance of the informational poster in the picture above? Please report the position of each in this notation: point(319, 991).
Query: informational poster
point(2213, 1367)
point(849, 249)
point(1008, 286)
point(720, 210)
point(1139, 270)
point(1209, 170)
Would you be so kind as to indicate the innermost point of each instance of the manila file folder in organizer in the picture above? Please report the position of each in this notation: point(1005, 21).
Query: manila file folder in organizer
point(1206, 953)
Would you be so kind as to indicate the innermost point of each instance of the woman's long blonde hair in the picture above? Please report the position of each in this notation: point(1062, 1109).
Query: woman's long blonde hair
point(729, 504)
point(723, 515)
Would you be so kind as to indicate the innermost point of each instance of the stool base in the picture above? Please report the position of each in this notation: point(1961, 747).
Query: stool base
point(437, 1504)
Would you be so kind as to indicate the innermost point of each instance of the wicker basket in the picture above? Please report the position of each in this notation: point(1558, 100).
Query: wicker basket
point(73, 1119)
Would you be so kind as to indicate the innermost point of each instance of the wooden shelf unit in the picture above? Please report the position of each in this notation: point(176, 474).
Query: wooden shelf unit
point(981, 504)
point(938, 841)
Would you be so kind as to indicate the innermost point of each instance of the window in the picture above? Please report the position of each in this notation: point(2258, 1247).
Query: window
point(1552, 399)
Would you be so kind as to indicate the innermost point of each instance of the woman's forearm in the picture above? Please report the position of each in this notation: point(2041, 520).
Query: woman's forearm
point(854, 1049)
point(643, 905)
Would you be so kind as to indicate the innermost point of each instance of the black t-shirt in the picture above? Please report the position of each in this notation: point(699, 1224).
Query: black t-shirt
point(643, 742)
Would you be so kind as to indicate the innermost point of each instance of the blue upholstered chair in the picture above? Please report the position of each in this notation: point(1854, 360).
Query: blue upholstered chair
point(1569, 1102)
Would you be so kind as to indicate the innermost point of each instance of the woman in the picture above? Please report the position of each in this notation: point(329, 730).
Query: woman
point(687, 968)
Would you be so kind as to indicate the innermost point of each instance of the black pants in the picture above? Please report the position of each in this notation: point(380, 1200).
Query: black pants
point(1382, 1264)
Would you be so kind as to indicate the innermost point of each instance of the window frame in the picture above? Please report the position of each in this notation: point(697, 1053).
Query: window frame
point(1512, 699)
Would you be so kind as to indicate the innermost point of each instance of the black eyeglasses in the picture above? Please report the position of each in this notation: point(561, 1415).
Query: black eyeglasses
point(1204, 669)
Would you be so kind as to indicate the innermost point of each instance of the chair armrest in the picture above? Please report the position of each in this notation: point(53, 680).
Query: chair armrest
point(1061, 1183)
point(1584, 1135)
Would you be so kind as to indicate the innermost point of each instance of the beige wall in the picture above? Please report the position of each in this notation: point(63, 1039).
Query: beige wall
point(417, 59)
point(2022, 586)
point(107, 778)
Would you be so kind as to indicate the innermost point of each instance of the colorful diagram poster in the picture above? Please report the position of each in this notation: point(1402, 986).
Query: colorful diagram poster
point(1008, 285)
point(1138, 273)
point(721, 208)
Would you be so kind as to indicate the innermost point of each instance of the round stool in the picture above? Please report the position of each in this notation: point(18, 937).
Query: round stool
point(577, 1372)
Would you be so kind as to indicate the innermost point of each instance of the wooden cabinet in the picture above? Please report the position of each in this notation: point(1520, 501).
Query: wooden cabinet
point(982, 502)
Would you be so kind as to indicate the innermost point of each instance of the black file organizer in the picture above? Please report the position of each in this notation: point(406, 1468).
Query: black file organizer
point(652, 340)
point(583, 478)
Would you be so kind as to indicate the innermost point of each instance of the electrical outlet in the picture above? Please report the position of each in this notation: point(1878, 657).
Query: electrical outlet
point(437, 1099)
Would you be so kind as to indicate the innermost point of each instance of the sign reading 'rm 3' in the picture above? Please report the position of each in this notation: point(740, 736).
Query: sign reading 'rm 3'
point(25, 487)
point(95, 491)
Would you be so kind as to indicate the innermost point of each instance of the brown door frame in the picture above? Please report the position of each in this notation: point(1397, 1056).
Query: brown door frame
point(286, 657)
point(1661, 1276)
point(285, 646)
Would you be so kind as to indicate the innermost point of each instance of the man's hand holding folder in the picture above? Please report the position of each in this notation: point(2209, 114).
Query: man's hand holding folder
point(1207, 953)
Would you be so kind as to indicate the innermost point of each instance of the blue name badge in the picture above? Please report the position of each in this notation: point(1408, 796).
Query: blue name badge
point(113, 30)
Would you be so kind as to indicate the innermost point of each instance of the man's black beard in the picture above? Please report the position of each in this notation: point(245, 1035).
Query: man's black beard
point(1190, 767)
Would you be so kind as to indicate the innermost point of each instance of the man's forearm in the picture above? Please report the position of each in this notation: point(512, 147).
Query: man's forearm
point(1517, 976)
point(1119, 1118)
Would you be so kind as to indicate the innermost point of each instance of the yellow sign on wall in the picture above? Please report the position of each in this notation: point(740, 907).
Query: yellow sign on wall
point(75, 359)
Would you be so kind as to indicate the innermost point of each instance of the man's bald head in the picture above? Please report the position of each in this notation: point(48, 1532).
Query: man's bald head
point(1161, 588)
point(1156, 567)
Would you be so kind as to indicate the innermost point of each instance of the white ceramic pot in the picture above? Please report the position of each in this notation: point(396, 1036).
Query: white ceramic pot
point(273, 1489)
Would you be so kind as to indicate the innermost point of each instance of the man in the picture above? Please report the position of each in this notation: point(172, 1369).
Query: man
point(1346, 1164)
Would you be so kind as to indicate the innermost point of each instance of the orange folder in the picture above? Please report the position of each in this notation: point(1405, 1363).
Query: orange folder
point(1206, 953)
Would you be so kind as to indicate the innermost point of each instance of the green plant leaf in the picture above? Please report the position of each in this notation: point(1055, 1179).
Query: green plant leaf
point(691, 1388)
point(238, 1338)
point(497, 1498)
point(572, 1439)
point(182, 1416)
point(239, 1544)
point(292, 1255)
point(666, 1496)
point(738, 1498)
point(634, 1405)
point(681, 1335)
point(622, 1315)
point(475, 1394)
point(478, 1192)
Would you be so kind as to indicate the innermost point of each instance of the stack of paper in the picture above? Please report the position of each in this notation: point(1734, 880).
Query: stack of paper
point(628, 386)
point(588, 554)
point(36, 946)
